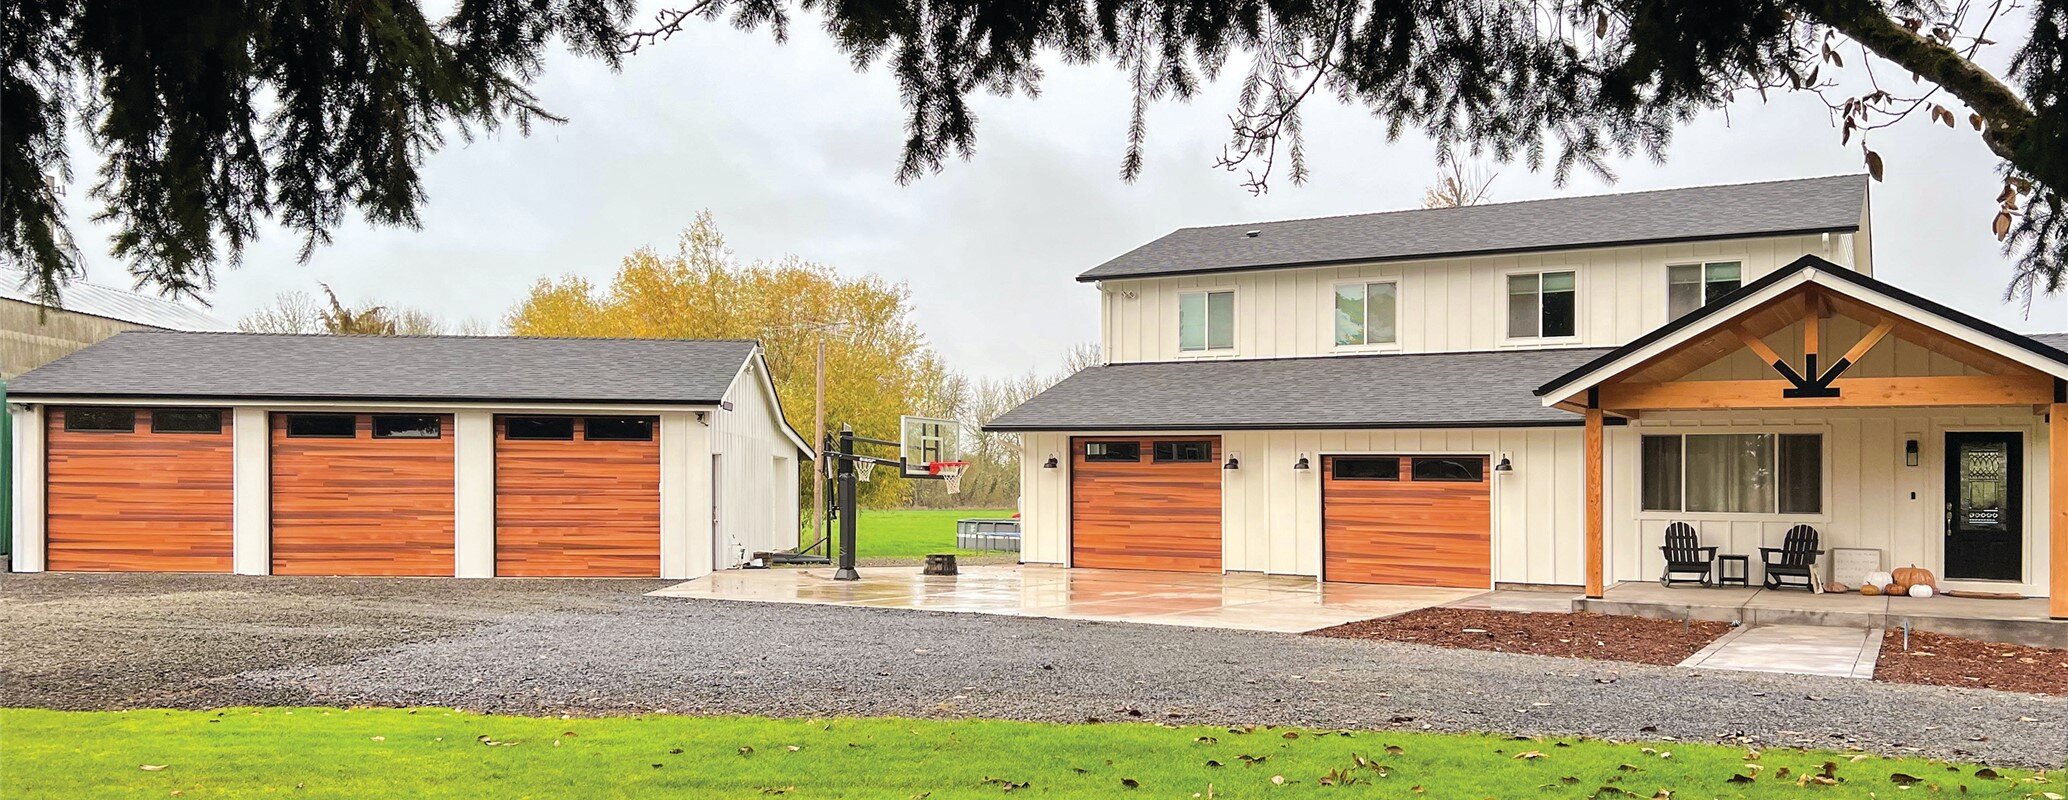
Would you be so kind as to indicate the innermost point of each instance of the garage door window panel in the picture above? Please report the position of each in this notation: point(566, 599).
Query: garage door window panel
point(100, 420)
point(1112, 451)
point(1457, 470)
point(1183, 452)
point(407, 426)
point(617, 429)
point(201, 420)
point(539, 428)
point(322, 426)
point(1364, 469)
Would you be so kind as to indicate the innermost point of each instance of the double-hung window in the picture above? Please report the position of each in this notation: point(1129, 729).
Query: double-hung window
point(1733, 473)
point(1365, 313)
point(1543, 305)
point(1206, 321)
point(1691, 286)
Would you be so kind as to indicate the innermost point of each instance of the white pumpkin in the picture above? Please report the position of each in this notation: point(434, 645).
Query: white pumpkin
point(1879, 579)
point(1921, 590)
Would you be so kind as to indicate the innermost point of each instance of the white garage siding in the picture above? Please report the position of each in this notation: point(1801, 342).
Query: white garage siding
point(1271, 514)
point(758, 463)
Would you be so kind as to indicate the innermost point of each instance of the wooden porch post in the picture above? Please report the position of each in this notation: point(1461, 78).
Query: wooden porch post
point(1594, 516)
point(2057, 501)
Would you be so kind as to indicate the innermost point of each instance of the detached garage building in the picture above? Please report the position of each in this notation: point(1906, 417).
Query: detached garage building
point(436, 456)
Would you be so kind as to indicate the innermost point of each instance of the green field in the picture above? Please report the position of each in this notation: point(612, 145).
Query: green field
point(431, 753)
point(903, 533)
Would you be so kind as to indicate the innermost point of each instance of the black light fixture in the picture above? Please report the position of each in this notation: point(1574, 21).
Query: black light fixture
point(1504, 465)
point(1233, 463)
point(1910, 453)
point(1302, 463)
point(1051, 463)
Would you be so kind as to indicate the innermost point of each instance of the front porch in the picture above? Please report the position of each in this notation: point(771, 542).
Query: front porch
point(2026, 622)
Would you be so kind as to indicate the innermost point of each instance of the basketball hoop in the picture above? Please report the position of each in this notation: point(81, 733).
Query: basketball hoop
point(950, 473)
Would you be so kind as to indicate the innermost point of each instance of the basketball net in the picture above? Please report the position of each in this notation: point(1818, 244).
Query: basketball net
point(950, 473)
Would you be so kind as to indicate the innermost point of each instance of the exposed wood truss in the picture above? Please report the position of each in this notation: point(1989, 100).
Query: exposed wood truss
point(1951, 390)
point(1811, 381)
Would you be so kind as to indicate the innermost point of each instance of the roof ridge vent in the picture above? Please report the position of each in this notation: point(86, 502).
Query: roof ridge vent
point(1251, 234)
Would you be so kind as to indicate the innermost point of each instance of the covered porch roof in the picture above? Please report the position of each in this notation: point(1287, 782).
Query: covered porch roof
point(1652, 372)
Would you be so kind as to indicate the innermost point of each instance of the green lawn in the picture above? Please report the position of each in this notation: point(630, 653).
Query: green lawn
point(429, 753)
point(911, 534)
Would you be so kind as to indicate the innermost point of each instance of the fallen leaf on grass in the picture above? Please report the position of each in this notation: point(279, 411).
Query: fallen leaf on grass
point(1278, 780)
point(793, 748)
point(1291, 734)
point(1986, 774)
point(1529, 755)
point(1394, 750)
point(1904, 779)
point(150, 767)
point(746, 751)
point(1131, 783)
point(1212, 763)
point(380, 738)
point(1738, 779)
point(1206, 740)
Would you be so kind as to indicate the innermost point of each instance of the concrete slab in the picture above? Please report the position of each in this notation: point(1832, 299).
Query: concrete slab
point(1793, 649)
point(2023, 621)
point(1236, 601)
point(1528, 600)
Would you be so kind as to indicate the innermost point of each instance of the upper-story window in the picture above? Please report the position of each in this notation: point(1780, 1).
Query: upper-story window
point(1206, 321)
point(1365, 313)
point(1542, 305)
point(1691, 286)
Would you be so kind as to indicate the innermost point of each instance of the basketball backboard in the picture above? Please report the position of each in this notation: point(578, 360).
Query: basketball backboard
point(925, 440)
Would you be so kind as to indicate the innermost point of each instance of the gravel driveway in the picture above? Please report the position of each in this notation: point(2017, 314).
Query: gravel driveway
point(599, 647)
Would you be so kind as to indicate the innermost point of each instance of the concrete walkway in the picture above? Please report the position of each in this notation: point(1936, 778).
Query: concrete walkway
point(2017, 621)
point(1794, 649)
point(1284, 604)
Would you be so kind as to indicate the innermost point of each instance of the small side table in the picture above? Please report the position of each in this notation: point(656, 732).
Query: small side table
point(1724, 575)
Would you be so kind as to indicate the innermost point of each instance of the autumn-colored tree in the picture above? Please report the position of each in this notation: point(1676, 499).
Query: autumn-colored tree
point(1459, 185)
point(878, 365)
point(298, 312)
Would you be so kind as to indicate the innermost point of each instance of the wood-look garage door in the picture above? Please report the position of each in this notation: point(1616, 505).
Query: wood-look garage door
point(136, 490)
point(577, 496)
point(1414, 520)
point(1146, 503)
point(362, 494)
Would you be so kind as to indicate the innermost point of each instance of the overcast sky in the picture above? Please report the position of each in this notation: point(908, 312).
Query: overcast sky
point(794, 152)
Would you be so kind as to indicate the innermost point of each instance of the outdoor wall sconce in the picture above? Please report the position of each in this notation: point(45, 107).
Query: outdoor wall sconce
point(1504, 465)
point(1910, 453)
point(1050, 463)
point(1233, 462)
point(1302, 464)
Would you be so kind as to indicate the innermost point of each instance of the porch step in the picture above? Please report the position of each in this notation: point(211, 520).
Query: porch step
point(2013, 621)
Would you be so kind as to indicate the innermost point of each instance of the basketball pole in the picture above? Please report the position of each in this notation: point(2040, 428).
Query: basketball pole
point(845, 464)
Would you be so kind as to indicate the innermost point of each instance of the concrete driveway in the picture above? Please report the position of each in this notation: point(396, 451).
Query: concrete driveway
point(1236, 601)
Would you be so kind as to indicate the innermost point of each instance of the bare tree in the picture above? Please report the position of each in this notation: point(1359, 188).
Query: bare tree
point(1459, 184)
point(291, 312)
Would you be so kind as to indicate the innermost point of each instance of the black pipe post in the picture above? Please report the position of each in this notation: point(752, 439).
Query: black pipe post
point(846, 572)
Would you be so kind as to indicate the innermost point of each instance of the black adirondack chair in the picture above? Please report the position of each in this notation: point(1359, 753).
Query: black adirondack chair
point(1685, 555)
point(1794, 563)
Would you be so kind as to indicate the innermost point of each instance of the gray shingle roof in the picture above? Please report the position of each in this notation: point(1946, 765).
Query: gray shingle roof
point(1810, 205)
point(485, 368)
point(115, 304)
point(1479, 389)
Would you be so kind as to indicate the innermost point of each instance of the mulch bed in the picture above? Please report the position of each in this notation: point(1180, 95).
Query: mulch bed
point(1942, 660)
point(1580, 635)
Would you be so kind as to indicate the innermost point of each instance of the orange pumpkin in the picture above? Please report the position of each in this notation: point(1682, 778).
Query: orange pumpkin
point(1871, 590)
point(1914, 576)
point(1896, 589)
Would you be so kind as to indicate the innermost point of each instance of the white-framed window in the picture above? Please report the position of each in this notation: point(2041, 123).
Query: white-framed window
point(1691, 286)
point(1733, 473)
point(1366, 313)
point(1543, 305)
point(1206, 321)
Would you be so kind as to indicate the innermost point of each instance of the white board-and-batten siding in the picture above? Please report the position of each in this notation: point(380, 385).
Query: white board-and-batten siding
point(1444, 305)
point(1271, 514)
point(757, 487)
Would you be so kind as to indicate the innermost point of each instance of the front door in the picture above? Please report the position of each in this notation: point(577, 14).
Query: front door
point(1985, 481)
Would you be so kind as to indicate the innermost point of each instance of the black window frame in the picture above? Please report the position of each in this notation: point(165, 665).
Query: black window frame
point(510, 431)
point(72, 417)
point(159, 413)
point(1206, 451)
point(1134, 458)
point(645, 425)
point(1337, 464)
point(292, 418)
point(1476, 464)
point(437, 426)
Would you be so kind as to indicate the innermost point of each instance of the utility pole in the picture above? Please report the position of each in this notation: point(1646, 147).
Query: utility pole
point(818, 438)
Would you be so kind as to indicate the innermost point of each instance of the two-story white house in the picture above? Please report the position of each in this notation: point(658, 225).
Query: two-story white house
point(1530, 393)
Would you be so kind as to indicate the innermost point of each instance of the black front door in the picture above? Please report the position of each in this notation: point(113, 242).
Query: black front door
point(1985, 484)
